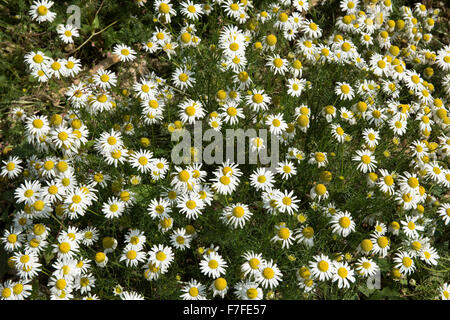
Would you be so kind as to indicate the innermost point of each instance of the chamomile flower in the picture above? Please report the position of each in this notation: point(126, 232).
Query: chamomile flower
point(343, 275)
point(132, 255)
point(191, 110)
point(366, 159)
point(258, 100)
point(286, 169)
point(67, 32)
point(381, 244)
point(318, 158)
point(231, 113)
point(283, 235)
point(191, 205)
point(321, 267)
point(410, 226)
point(342, 223)
point(444, 212)
point(277, 125)
point(236, 215)
point(344, 91)
point(28, 192)
point(11, 168)
point(296, 86)
point(252, 263)
point(183, 78)
point(113, 208)
point(105, 79)
point(40, 11)
point(124, 52)
point(366, 267)
point(248, 290)
point(277, 64)
point(142, 160)
point(404, 263)
point(287, 202)
point(269, 276)
point(213, 265)
point(12, 239)
point(193, 290)
point(180, 239)
point(164, 10)
point(319, 192)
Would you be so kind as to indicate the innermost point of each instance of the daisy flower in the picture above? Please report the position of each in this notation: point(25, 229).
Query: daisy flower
point(343, 275)
point(40, 11)
point(213, 265)
point(193, 290)
point(366, 159)
point(342, 223)
point(305, 235)
point(269, 276)
point(404, 263)
point(276, 124)
point(344, 91)
point(252, 263)
point(66, 32)
point(322, 268)
point(124, 52)
point(410, 227)
point(248, 290)
point(284, 235)
point(142, 160)
point(258, 100)
point(236, 215)
point(180, 239)
point(183, 78)
point(105, 79)
point(190, 204)
point(11, 167)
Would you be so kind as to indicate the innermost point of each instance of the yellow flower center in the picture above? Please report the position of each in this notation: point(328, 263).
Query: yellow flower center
point(323, 266)
point(64, 247)
point(268, 273)
point(238, 212)
point(342, 272)
point(42, 10)
point(213, 264)
point(161, 256)
point(344, 222)
point(284, 233)
point(220, 284)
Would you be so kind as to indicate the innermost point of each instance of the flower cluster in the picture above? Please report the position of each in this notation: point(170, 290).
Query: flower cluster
point(359, 111)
